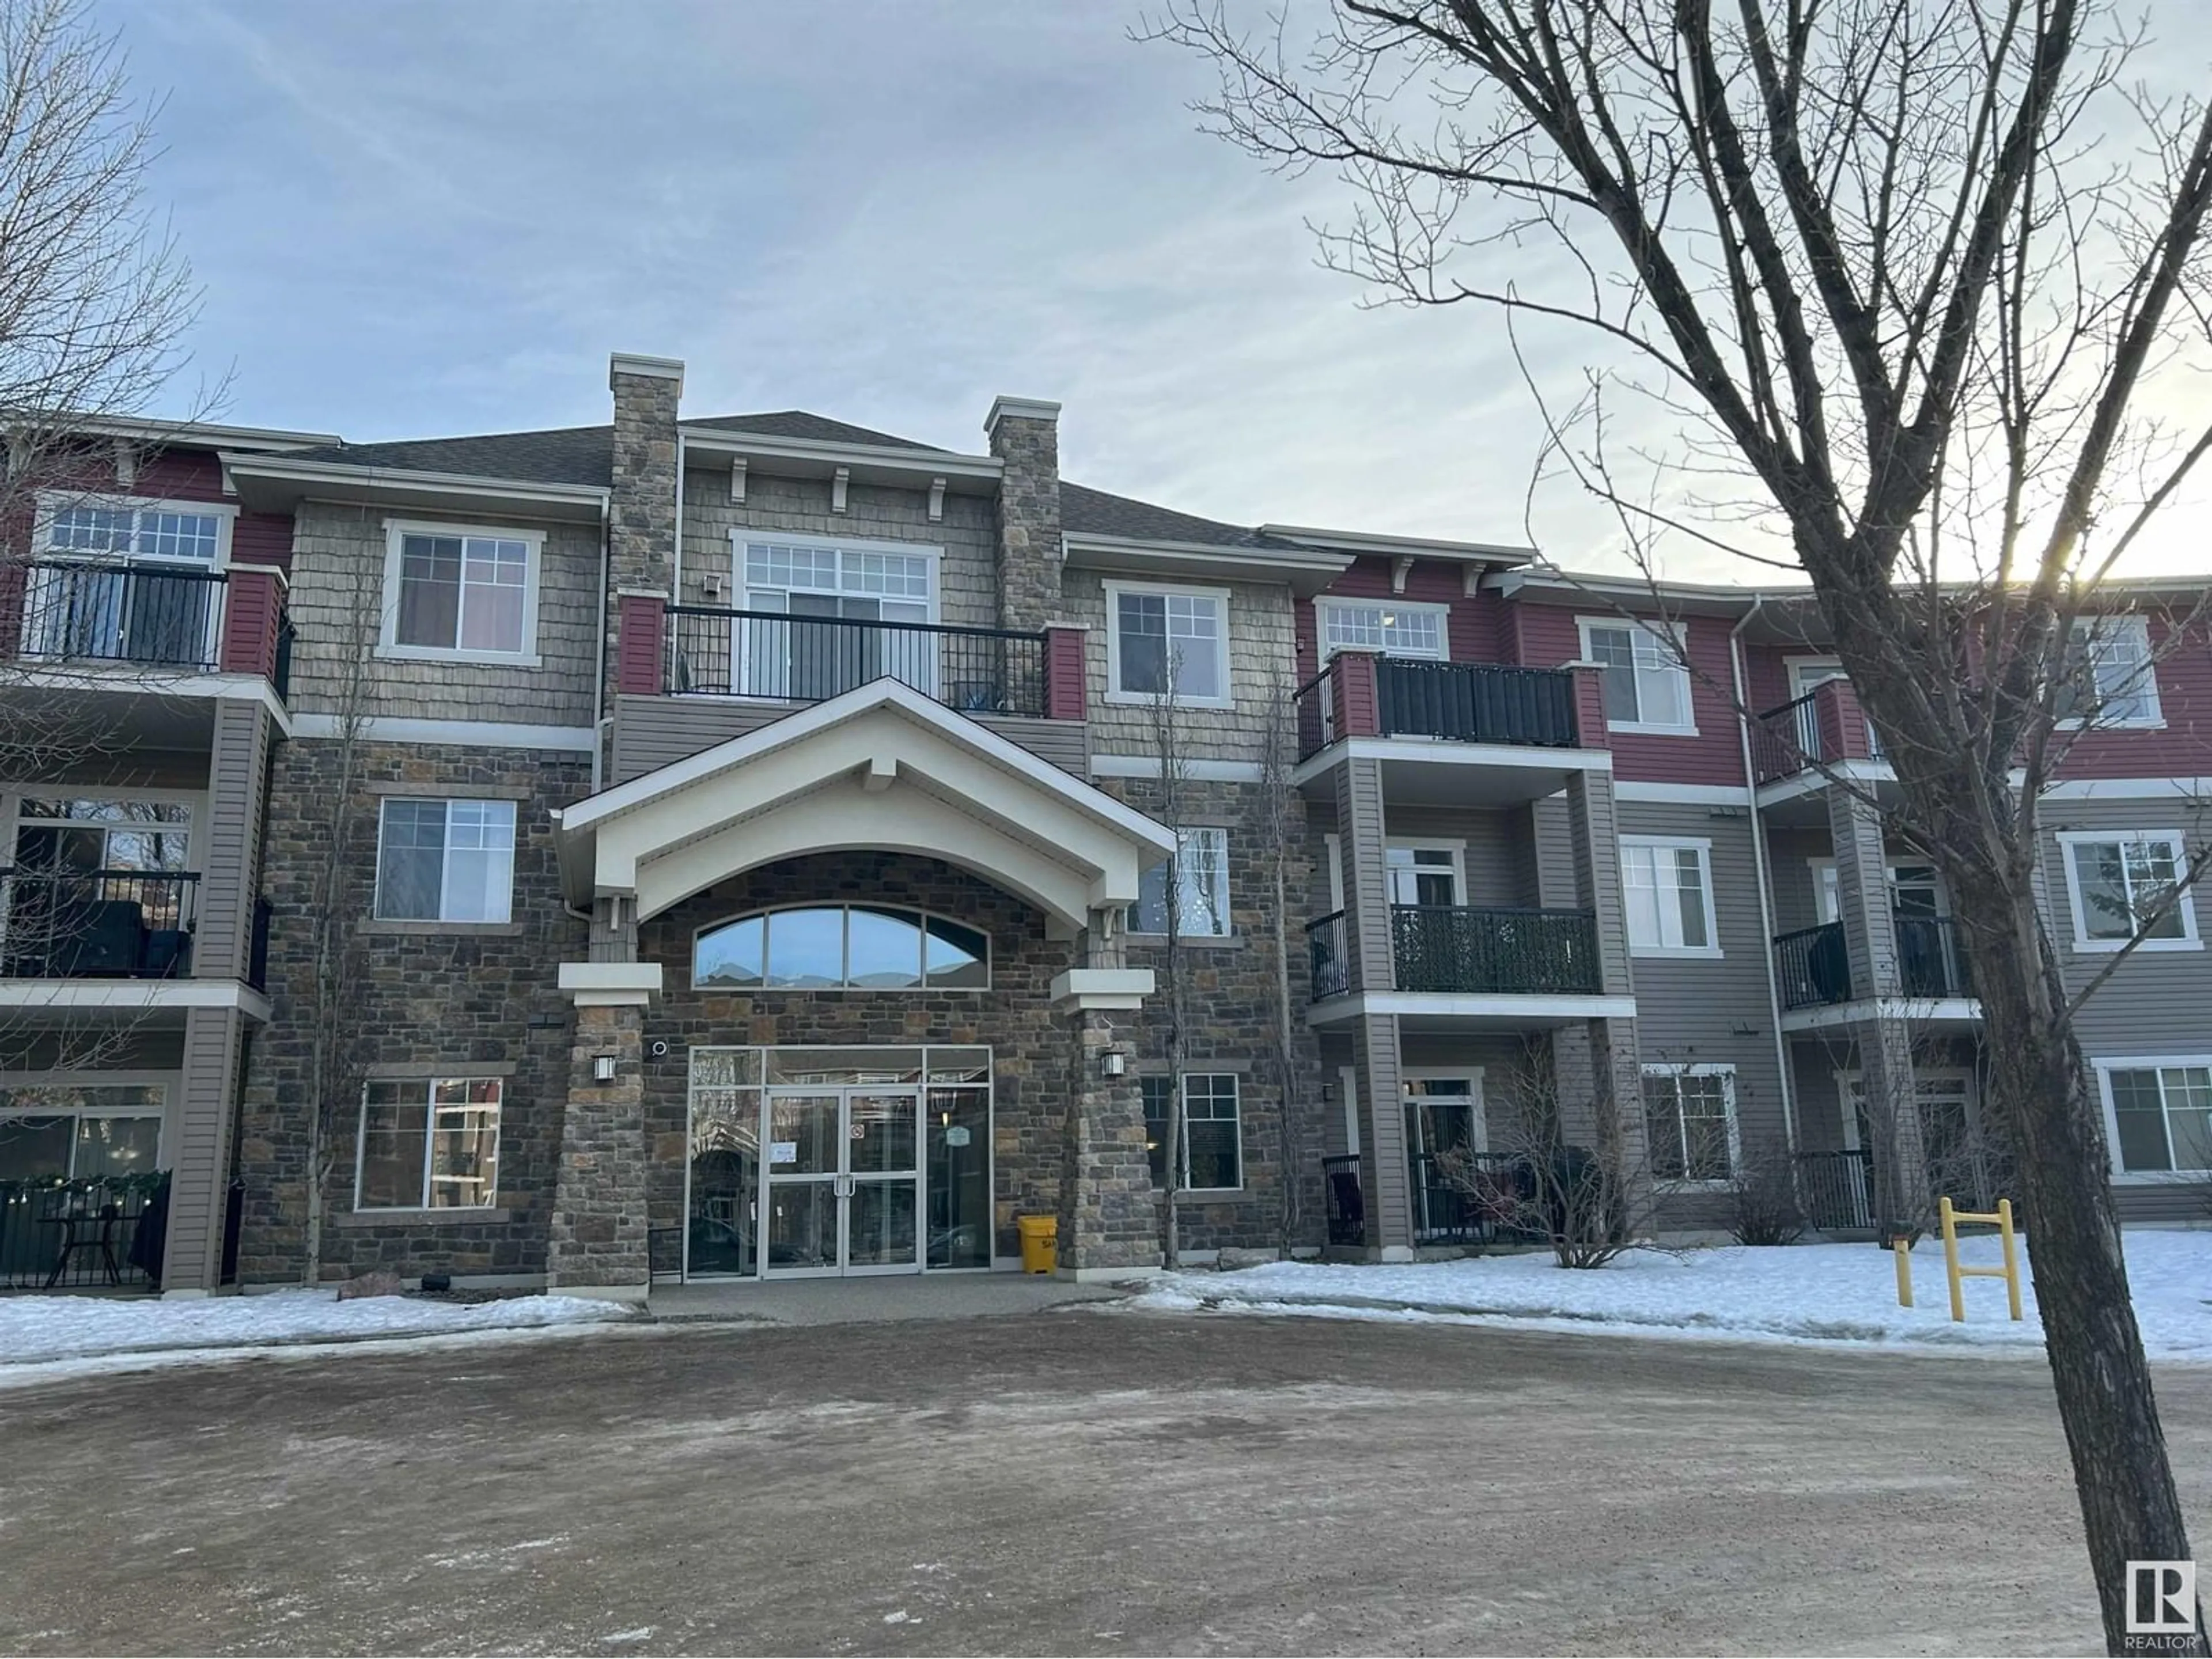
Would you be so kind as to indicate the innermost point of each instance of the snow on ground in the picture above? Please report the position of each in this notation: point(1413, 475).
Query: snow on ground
point(37, 1329)
point(1801, 1292)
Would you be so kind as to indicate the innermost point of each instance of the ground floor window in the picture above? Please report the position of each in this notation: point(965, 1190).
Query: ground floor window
point(89, 1131)
point(1213, 1150)
point(1689, 1114)
point(2161, 1115)
point(429, 1144)
point(829, 1160)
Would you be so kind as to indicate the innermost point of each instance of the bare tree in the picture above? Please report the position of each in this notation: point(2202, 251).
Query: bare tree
point(1910, 283)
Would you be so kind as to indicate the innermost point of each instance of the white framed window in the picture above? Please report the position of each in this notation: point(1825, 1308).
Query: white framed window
point(460, 593)
point(429, 1144)
point(1667, 884)
point(2115, 879)
point(1647, 688)
point(840, 587)
point(1213, 1140)
point(2158, 1113)
point(123, 579)
point(1390, 627)
point(445, 860)
point(108, 1124)
point(1160, 640)
point(1425, 872)
point(1201, 872)
point(1689, 1121)
point(2108, 679)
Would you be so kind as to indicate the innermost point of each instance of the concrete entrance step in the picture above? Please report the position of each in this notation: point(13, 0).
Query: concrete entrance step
point(870, 1300)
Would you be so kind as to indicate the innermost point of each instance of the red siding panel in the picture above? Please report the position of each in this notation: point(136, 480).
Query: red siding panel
point(1549, 636)
point(1064, 676)
point(638, 654)
point(2183, 749)
point(252, 613)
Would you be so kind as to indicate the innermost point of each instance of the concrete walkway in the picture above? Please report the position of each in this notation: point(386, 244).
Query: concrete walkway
point(870, 1300)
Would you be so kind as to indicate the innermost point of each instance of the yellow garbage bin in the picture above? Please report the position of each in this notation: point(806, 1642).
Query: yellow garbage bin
point(1040, 1242)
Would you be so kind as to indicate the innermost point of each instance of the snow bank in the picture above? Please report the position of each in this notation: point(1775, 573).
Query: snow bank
point(36, 1329)
point(1845, 1293)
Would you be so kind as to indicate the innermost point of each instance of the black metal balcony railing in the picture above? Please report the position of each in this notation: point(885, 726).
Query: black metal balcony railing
point(99, 924)
point(1468, 1198)
point(96, 611)
point(1813, 966)
point(1343, 1204)
point(1929, 961)
point(1785, 741)
point(1325, 948)
point(1458, 948)
point(80, 1234)
point(1475, 703)
point(1315, 703)
point(763, 653)
point(1834, 1190)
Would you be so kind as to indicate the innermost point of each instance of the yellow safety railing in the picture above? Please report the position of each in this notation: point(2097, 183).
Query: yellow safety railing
point(2001, 1218)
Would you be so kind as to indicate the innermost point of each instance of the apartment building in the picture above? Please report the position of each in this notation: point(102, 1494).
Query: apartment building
point(759, 865)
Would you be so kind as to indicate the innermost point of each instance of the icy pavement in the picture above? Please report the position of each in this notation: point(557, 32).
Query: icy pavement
point(1828, 1293)
point(41, 1329)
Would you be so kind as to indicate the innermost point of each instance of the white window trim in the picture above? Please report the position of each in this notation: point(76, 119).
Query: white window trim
point(1850, 1080)
point(1479, 1112)
point(1333, 845)
point(1430, 844)
point(1827, 886)
point(376, 871)
point(1680, 630)
point(430, 1145)
point(931, 552)
point(50, 501)
point(925, 917)
point(1701, 1068)
point(1227, 913)
point(1237, 1081)
point(171, 1083)
point(1703, 846)
point(2148, 685)
point(2105, 1068)
point(2185, 907)
point(1146, 699)
point(388, 646)
point(1441, 613)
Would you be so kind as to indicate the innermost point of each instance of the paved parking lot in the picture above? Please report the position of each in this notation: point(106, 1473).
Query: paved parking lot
point(1071, 1480)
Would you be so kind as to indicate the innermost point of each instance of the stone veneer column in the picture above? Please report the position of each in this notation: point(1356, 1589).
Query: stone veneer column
point(597, 1244)
point(1024, 433)
point(641, 505)
point(1109, 1211)
point(1886, 1083)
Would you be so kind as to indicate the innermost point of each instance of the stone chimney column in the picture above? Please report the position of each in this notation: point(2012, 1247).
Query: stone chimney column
point(641, 511)
point(1024, 433)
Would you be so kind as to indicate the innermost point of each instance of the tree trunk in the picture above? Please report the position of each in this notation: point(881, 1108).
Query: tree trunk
point(2130, 1510)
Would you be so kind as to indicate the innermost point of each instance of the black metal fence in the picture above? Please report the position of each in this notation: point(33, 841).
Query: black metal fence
point(96, 924)
point(1458, 948)
point(101, 611)
point(1315, 705)
point(1468, 1198)
point(1342, 1202)
point(1929, 961)
point(1813, 966)
point(1835, 1190)
point(1326, 949)
point(763, 653)
point(1475, 703)
point(82, 1235)
point(1784, 739)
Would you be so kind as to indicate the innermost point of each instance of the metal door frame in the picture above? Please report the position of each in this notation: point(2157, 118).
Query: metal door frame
point(843, 1181)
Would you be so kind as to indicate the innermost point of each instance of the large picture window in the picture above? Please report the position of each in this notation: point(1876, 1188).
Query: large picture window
point(429, 1144)
point(2161, 1115)
point(446, 860)
point(80, 1132)
point(844, 947)
point(858, 613)
point(456, 592)
point(1168, 640)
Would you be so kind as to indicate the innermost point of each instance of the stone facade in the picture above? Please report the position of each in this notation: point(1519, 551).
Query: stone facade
point(1026, 437)
point(462, 999)
point(598, 1226)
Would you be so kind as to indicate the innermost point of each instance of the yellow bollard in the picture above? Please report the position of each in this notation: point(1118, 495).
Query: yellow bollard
point(1949, 1218)
point(2001, 1217)
point(2011, 1259)
point(1899, 1248)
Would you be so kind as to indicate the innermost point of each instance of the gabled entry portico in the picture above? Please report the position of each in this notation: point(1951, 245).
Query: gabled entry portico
point(744, 882)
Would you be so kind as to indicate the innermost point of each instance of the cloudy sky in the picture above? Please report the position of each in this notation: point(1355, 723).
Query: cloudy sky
point(414, 219)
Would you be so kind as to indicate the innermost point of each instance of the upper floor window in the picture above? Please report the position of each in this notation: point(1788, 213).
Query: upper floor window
point(1167, 641)
point(836, 584)
point(1201, 884)
point(2160, 1114)
point(1668, 885)
point(2108, 679)
point(121, 580)
point(841, 947)
point(429, 1144)
point(1689, 1115)
point(1647, 686)
point(446, 860)
point(112, 526)
point(1394, 629)
point(2119, 885)
point(457, 592)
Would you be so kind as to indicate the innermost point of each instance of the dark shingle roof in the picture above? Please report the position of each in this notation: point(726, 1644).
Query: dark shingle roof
point(815, 428)
point(1094, 511)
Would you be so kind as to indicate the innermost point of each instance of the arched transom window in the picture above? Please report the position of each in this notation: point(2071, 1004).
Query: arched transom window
point(841, 947)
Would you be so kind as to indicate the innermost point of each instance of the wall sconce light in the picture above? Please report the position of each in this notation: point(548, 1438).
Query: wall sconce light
point(602, 1068)
point(1112, 1063)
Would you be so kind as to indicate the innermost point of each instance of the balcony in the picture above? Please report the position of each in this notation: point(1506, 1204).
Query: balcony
point(1825, 728)
point(97, 924)
point(1362, 696)
point(1461, 950)
point(1813, 967)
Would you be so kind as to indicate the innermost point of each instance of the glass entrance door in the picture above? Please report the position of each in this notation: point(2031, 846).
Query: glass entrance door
point(843, 1181)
